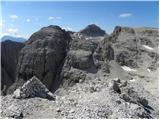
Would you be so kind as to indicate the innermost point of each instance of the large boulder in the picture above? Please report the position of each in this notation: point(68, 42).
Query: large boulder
point(9, 59)
point(43, 56)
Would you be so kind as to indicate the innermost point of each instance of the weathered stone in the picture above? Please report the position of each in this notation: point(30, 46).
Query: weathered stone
point(17, 93)
point(114, 85)
point(143, 101)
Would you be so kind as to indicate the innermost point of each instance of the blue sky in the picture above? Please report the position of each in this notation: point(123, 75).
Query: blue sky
point(25, 18)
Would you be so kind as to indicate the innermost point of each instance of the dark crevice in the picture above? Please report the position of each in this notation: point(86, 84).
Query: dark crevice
point(58, 79)
point(44, 65)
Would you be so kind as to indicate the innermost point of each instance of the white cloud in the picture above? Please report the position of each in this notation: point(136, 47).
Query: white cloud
point(54, 18)
point(50, 18)
point(28, 20)
point(13, 17)
point(125, 15)
point(13, 31)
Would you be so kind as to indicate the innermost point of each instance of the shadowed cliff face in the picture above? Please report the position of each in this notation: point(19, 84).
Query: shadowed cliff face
point(9, 58)
point(42, 56)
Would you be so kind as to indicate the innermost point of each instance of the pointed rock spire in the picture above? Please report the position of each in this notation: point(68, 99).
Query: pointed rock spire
point(33, 88)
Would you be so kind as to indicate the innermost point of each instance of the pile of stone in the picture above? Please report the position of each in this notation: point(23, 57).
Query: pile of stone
point(33, 88)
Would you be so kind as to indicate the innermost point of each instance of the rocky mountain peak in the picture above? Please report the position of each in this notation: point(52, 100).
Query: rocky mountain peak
point(49, 32)
point(43, 56)
point(54, 27)
point(93, 31)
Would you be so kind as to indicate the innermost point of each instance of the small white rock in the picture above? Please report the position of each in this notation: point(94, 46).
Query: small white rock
point(148, 70)
point(147, 47)
point(72, 111)
point(17, 94)
point(128, 69)
point(132, 80)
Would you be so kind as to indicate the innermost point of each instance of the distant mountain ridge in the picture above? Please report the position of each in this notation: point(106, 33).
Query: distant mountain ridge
point(17, 39)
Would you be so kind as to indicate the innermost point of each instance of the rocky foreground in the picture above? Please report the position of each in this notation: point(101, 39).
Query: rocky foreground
point(86, 74)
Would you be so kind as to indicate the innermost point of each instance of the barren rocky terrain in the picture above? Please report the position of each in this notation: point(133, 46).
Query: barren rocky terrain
point(85, 74)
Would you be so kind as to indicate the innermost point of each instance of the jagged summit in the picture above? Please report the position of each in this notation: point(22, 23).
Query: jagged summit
point(93, 31)
point(51, 27)
point(51, 31)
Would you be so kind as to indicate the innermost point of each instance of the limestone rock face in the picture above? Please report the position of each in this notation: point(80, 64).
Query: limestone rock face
point(42, 56)
point(93, 31)
point(33, 88)
point(104, 51)
point(81, 59)
point(86, 56)
point(133, 45)
point(72, 77)
point(124, 58)
point(9, 59)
